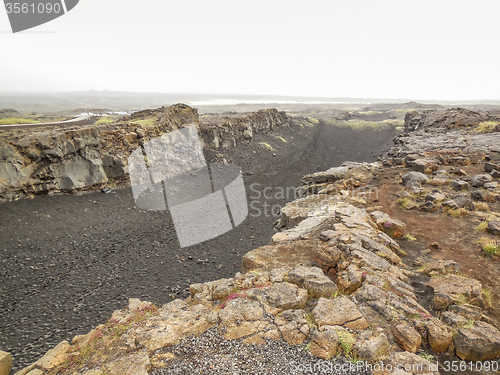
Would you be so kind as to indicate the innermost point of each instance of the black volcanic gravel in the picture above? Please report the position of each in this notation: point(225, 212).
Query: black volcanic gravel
point(210, 353)
point(68, 261)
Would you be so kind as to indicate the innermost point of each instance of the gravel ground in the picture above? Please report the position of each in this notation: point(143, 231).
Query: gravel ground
point(67, 262)
point(210, 353)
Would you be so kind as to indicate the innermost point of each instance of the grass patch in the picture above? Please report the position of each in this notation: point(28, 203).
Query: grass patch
point(487, 296)
point(427, 356)
point(491, 247)
point(487, 127)
point(409, 237)
point(346, 341)
point(17, 121)
point(311, 322)
point(482, 206)
point(375, 125)
point(308, 346)
point(105, 120)
point(280, 138)
point(267, 145)
point(457, 213)
point(146, 122)
point(312, 120)
point(482, 227)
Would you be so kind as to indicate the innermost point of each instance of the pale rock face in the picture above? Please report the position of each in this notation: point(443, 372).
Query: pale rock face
point(340, 311)
point(54, 356)
point(5, 363)
point(325, 343)
point(452, 289)
point(293, 326)
point(135, 364)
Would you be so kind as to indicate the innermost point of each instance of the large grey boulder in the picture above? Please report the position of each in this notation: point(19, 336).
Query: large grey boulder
point(481, 179)
point(480, 342)
point(417, 176)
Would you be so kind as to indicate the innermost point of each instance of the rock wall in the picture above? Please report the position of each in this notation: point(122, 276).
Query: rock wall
point(454, 118)
point(94, 156)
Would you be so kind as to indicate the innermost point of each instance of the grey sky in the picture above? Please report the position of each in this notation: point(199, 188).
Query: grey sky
point(439, 49)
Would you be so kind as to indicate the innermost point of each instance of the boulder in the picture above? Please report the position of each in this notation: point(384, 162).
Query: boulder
point(313, 280)
point(439, 180)
point(349, 280)
point(458, 171)
point(494, 227)
point(409, 361)
point(280, 255)
point(495, 173)
point(428, 206)
point(242, 318)
point(331, 175)
point(491, 185)
point(435, 196)
point(481, 342)
point(325, 342)
point(54, 357)
point(424, 165)
point(460, 201)
point(384, 222)
point(417, 176)
point(480, 179)
point(406, 337)
point(371, 346)
point(459, 185)
point(5, 363)
point(339, 311)
point(440, 267)
point(488, 167)
point(452, 289)
point(284, 296)
point(293, 326)
point(439, 335)
point(483, 196)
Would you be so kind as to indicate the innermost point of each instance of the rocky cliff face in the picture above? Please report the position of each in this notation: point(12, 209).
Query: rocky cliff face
point(66, 159)
point(454, 118)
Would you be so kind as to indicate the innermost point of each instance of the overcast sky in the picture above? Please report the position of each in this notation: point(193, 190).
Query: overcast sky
point(437, 49)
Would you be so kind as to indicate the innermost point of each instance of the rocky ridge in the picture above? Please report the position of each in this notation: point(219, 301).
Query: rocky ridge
point(333, 280)
point(75, 158)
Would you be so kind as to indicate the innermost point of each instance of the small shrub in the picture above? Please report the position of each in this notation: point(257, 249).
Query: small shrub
point(427, 356)
point(491, 247)
point(487, 296)
point(482, 227)
point(280, 138)
point(346, 341)
point(458, 213)
point(487, 127)
point(482, 206)
point(409, 237)
point(312, 120)
point(311, 322)
point(17, 121)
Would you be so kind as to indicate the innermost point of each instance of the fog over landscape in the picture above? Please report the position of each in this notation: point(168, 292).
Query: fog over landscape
point(423, 50)
point(264, 187)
